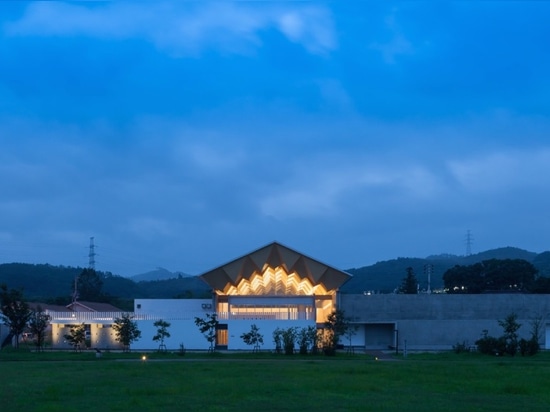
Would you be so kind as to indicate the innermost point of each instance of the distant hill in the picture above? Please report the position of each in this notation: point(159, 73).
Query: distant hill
point(158, 274)
point(179, 288)
point(39, 281)
point(386, 276)
point(45, 282)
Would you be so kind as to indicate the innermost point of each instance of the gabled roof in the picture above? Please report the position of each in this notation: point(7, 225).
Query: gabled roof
point(92, 307)
point(47, 306)
point(275, 255)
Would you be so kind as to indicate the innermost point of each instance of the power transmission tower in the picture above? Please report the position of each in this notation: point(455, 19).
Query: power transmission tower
point(428, 270)
point(469, 242)
point(91, 255)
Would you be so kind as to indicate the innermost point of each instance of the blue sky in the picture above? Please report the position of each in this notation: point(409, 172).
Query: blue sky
point(185, 134)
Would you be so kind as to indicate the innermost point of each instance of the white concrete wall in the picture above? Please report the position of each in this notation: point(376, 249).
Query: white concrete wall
point(180, 313)
point(547, 335)
point(266, 327)
point(181, 331)
point(174, 308)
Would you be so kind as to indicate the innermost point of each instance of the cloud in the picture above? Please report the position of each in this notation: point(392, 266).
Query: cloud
point(503, 171)
point(213, 160)
point(149, 227)
point(397, 44)
point(334, 188)
point(181, 29)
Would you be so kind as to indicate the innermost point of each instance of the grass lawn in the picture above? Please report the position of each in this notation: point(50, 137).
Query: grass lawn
point(67, 382)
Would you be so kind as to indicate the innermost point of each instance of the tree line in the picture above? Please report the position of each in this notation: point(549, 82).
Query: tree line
point(488, 276)
point(496, 276)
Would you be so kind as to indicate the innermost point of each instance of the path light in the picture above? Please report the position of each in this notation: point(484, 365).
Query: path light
point(143, 358)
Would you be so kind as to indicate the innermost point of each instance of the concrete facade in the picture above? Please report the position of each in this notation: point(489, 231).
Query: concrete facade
point(181, 313)
point(439, 321)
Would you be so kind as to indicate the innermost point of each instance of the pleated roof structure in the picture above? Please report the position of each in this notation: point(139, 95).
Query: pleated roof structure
point(275, 269)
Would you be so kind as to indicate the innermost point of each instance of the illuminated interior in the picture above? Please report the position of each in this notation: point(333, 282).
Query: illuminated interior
point(275, 281)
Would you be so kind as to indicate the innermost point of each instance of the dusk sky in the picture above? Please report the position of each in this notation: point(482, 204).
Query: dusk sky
point(183, 135)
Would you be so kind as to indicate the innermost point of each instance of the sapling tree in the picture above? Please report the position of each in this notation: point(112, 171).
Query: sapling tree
point(38, 323)
point(510, 326)
point(253, 338)
point(335, 327)
point(76, 336)
point(307, 338)
point(289, 340)
point(531, 346)
point(302, 337)
point(315, 337)
point(208, 327)
point(126, 331)
point(278, 340)
point(349, 333)
point(162, 333)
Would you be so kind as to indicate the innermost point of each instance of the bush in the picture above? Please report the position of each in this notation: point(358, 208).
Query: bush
point(529, 347)
point(289, 339)
point(182, 350)
point(489, 345)
point(461, 347)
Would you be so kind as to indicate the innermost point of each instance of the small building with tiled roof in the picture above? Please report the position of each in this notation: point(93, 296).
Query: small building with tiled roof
point(78, 306)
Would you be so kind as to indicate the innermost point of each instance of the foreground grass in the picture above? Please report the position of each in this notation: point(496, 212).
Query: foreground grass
point(243, 382)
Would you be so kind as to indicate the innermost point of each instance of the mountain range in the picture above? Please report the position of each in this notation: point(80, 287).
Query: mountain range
point(386, 276)
point(54, 283)
point(158, 274)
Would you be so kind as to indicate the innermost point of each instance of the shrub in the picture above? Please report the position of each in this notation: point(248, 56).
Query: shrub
point(278, 340)
point(489, 345)
point(182, 350)
point(461, 347)
point(289, 339)
point(529, 347)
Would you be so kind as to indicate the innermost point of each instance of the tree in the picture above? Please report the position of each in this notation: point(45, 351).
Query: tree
point(208, 328)
point(506, 344)
point(315, 336)
point(162, 333)
point(303, 340)
point(253, 338)
point(335, 327)
point(38, 323)
point(541, 285)
point(126, 331)
point(493, 275)
point(89, 285)
point(278, 340)
point(532, 346)
point(510, 336)
point(15, 312)
point(307, 338)
point(409, 285)
point(350, 332)
point(289, 340)
point(76, 336)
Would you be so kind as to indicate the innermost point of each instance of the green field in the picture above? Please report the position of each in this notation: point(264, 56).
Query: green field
point(245, 382)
